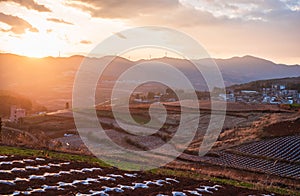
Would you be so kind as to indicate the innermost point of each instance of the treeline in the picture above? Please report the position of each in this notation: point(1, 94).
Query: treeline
point(6, 101)
point(290, 83)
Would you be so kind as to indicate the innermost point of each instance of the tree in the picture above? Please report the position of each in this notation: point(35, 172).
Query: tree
point(150, 95)
point(67, 105)
point(137, 96)
point(169, 91)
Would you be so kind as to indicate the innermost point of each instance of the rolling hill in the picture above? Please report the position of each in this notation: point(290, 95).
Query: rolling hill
point(50, 80)
point(292, 83)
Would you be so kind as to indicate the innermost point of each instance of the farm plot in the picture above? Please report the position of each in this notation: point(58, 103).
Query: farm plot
point(284, 148)
point(35, 176)
point(278, 156)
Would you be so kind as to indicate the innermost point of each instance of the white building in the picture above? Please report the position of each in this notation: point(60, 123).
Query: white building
point(248, 92)
point(227, 97)
point(282, 87)
point(266, 99)
point(16, 113)
point(274, 101)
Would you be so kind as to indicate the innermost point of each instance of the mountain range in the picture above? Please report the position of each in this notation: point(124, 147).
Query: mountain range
point(50, 80)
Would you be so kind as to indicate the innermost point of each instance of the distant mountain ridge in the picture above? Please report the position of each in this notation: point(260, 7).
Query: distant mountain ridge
point(239, 70)
point(251, 68)
point(51, 78)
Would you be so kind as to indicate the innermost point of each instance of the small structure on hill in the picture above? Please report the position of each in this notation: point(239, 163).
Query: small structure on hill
point(16, 114)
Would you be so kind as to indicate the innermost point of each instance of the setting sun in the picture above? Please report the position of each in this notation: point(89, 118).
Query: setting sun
point(150, 97)
point(70, 27)
point(37, 45)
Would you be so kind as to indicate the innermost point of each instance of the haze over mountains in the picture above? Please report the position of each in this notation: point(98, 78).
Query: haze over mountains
point(50, 80)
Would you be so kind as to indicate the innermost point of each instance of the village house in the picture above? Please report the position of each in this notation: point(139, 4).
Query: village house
point(16, 114)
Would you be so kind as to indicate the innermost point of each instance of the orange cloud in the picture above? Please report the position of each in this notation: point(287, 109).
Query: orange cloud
point(30, 4)
point(18, 25)
point(59, 21)
point(85, 42)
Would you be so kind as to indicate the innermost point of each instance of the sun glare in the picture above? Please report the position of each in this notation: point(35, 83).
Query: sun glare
point(33, 54)
point(36, 45)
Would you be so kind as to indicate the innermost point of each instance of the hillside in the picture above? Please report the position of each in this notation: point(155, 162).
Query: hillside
point(8, 98)
point(50, 80)
point(292, 83)
point(238, 70)
point(42, 172)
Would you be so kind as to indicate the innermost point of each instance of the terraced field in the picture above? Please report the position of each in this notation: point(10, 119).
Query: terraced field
point(34, 176)
point(282, 148)
point(278, 156)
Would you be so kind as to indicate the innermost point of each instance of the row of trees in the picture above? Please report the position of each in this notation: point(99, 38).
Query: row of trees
point(170, 94)
point(6, 101)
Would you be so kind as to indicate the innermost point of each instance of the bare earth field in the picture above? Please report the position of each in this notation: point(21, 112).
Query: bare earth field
point(34, 176)
point(245, 127)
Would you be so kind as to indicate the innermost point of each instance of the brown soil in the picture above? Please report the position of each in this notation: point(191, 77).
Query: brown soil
point(259, 179)
point(285, 128)
point(184, 183)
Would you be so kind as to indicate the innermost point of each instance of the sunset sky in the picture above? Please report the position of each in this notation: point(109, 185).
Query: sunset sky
point(263, 28)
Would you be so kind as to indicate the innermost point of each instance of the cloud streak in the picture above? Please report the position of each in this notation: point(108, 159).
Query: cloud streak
point(267, 28)
point(30, 4)
point(184, 12)
point(155, 12)
point(85, 42)
point(122, 9)
point(18, 25)
point(59, 21)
